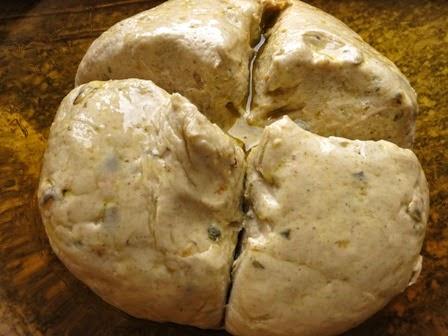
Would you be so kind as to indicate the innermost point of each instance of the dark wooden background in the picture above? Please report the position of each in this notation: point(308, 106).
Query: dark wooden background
point(41, 44)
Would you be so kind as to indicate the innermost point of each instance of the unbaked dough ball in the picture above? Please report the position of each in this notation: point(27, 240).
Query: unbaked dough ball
point(199, 48)
point(324, 76)
point(334, 231)
point(141, 191)
point(140, 197)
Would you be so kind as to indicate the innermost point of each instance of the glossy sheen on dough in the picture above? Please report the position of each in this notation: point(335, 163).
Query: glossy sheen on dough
point(321, 73)
point(140, 197)
point(199, 48)
point(334, 232)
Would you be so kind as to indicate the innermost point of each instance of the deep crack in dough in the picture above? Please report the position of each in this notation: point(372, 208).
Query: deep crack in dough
point(322, 74)
point(334, 231)
point(140, 197)
point(199, 48)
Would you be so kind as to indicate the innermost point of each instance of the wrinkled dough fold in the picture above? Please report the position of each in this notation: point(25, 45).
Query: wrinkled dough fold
point(334, 231)
point(323, 75)
point(199, 48)
point(140, 197)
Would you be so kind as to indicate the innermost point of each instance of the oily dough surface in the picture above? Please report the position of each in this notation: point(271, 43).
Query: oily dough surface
point(334, 231)
point(141, 190)
point(322, 74)
point(139, 195)
point(199, 48)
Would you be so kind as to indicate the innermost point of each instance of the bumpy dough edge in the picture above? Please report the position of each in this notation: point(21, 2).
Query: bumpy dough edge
point(334, 231)
point(323, 75)
point(199, 48)
point(139, 195)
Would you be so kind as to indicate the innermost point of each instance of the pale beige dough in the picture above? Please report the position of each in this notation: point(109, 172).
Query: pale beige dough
point(334, 231)
point(140, 196)
point(322, 74)
point(199, 48)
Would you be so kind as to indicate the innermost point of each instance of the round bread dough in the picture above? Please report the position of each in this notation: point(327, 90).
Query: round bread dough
point(322, 74)
point(140, 197)
point(334, 231)
point(199, 48)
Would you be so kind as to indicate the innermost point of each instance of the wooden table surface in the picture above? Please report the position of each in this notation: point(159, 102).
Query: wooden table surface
point(41, 44)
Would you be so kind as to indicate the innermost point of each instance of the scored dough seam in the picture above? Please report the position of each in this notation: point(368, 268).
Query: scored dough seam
point(274, 10)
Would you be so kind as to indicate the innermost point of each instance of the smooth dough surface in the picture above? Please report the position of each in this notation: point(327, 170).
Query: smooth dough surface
point(140, 197)
point(322, 74)
point(199, 48)
point(334, 231)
